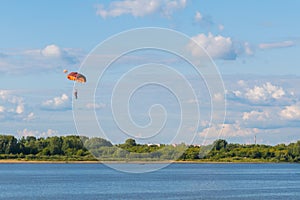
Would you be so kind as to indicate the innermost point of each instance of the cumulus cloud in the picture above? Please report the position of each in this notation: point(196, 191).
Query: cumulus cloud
point(57, 103)
point(34, 60)
point(266, 118)
point(216, 131)
point(257, 115)
point(248, 49)
point(218, 97)
point(20, 108)
point(27, 132)
point(276, 45)
point(198, 16)
point(12, 106)
point(218, 47)
point(244, 130)
point(237, 131)
point(272, 118)
point(205, 21)
point(64, 54)
point(264, 94)
point(265, 103)
point(291, 112)
point(29, 117)
point(140, 8)
point(51, 51)
point(262, 106)
point(13, 103)
point(4, 94)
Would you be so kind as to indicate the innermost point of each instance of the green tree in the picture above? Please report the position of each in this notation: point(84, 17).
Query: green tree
point(95, 143)
point(130, 142)
point(71, 144)
point(191, 153)
point(220, 144)
point(29, 145)
point(55, 145)
point(8, 144)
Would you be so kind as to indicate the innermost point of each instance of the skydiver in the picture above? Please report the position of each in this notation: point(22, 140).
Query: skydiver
point(75, 93)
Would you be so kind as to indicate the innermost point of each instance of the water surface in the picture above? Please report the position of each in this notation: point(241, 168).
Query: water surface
point(177, 181)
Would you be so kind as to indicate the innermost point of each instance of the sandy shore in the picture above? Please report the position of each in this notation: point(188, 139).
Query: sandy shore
point(43, 161)
point(12, 161)
point(8, 161)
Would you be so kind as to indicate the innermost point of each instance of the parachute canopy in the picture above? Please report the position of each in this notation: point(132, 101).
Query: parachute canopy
point(74, 76)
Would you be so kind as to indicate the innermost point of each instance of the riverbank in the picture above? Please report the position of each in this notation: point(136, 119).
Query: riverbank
point(12, 161)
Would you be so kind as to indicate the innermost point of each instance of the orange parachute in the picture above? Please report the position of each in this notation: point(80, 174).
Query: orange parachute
point(74, 76)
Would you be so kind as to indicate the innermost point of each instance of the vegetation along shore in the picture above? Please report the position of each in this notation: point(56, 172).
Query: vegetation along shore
point(83, 149)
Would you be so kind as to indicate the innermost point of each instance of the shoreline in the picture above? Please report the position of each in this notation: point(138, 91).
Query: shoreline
point(12, 161)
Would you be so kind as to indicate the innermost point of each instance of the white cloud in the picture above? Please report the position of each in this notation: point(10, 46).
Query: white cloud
point(203, 20)
point(248, 49)
point(206, 21)
point(291, 112)
point(265, 119)
point(29, 117)
point(276, 45)
point(35, 60)
point(264, 92)
point(20, 108)
point(198, 16)
point(13, 103)
point(4, 94)
point(2, 109)
point(241, 83)
point(226, 131)
point(256, 115)
point(12, 107)
point(240, 132)
point(218, 97)
point(55, 52)
point(51, 51)
point(218, 47)
point(140, 8)
point(272, 118)
point(57, 103)
point(26, 132)
point(266, 103)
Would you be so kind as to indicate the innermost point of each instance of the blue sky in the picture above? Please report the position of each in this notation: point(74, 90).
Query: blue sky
point(255, 45)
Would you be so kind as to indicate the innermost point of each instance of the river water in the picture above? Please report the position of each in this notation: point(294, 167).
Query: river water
point(176, 181)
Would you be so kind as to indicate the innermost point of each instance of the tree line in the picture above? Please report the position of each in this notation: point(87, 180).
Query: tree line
point(83, 148)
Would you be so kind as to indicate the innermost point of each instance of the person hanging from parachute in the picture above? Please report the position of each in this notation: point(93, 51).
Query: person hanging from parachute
point(75, 94)
point(75, 76)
